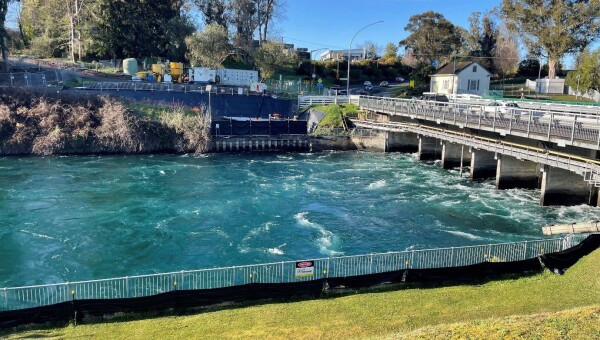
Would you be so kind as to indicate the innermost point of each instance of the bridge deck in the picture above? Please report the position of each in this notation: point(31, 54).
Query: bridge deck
point(563, 128)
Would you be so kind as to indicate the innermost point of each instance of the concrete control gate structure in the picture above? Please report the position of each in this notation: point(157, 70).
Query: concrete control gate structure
point(552, 149)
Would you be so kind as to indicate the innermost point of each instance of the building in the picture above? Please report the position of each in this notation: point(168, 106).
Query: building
point(461, 77)
point(355, 54)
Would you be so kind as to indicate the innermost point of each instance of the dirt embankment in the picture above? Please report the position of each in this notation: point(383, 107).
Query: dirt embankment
point(41, 123)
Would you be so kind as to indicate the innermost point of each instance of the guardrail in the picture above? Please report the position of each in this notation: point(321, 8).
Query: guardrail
point(15, 298)
point(306, 101)
point(588, 168)
point(563, 128)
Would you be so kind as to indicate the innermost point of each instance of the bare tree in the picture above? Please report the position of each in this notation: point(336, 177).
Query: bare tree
point(267, 12)
point(506, 53)
point(73, 8)
point(409, 59)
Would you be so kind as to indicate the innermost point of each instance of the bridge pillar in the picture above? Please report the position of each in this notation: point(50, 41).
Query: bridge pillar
point(401, 142)
point(429, 149)
point(483, 164)
point(562, 187)
point(452, 153)
point(514, 173)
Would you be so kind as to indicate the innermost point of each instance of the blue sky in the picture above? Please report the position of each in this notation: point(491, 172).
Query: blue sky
point(316, 24)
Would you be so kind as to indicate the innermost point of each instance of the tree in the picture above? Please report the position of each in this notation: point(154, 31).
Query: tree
point(481, 39)
point(46, 27)
point(268, 11)
point(3, 33)
point(506, 53)
point(587, 75)
point(214, 11)
point(529, 68)
point(390, 53)
point(409, 59)
point(272, 56)
point(556, 27)
point(372, 50)
point(139, 28)
point(210, 47)
point(73, 12)
point(431, 37)
point(245, 22)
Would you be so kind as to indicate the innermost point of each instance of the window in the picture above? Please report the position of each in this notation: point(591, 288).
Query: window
point(474, 68)
point(445, 84)
point(473, 85)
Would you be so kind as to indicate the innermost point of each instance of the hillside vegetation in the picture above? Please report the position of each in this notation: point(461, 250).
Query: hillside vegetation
point(43, 123)
point(509, 308)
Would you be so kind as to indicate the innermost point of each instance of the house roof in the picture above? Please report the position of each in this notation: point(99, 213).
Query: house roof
point(451, 68)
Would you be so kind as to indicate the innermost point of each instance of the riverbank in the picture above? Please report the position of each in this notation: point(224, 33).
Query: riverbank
point(543, 305)
point(49, 123)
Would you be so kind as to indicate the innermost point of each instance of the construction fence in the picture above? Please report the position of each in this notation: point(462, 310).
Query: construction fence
point(183, 289)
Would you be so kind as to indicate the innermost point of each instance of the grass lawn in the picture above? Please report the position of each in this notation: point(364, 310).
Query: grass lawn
point(155, 110)
point(507, 308)
point(333, 117)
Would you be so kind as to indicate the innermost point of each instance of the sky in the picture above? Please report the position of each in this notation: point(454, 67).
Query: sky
point(316, 24)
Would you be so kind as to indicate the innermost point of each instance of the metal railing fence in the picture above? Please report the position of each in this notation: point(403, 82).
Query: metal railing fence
point(29, 79)
point(15, 298)
point(549, 125)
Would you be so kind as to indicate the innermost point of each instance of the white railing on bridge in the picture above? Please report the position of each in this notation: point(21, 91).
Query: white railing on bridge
point(280, 272)
point(563, 128)
point(306, 101)
point(589, 169)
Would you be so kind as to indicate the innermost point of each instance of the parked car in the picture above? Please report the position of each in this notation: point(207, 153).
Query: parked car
point(399, 79)
point(368, 83)
point(362, 92)
point(384, 84)
point(368, 87)
point(342, 92)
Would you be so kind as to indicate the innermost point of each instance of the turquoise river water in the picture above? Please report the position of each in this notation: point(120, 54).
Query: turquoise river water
point(79, 218)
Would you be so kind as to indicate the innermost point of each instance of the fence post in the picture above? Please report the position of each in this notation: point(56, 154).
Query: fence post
point(525, 250)
point(371, 264)
point(452, 257)
point(412, 259)
point(233, 281)
point(327, 270)
point(126, 286)
point(282, 271)
point(5, 300)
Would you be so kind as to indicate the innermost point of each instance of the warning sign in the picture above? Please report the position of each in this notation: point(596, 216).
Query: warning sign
point(305, 268)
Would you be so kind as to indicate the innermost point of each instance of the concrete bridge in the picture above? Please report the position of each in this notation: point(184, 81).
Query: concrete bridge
point(554, 150)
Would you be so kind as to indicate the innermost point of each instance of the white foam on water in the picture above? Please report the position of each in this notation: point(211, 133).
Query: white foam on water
point(377, 185)
point(451, 203)
point(37, 235)
point(463, 234)
point(162, 172)
point(277, 250)
point(327, 238)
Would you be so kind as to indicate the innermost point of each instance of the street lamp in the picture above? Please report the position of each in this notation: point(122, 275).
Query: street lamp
point(314, 74)
point(349, 50)
point(577, 93)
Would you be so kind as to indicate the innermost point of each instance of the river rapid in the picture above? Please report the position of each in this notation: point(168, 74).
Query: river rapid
point(88, 217)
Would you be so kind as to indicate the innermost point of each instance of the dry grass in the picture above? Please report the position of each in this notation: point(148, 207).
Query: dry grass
point(49, 123)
